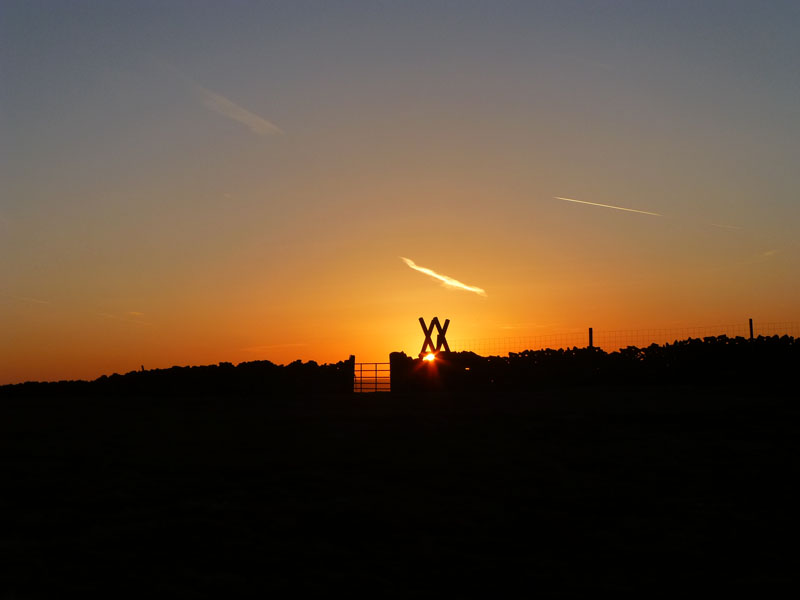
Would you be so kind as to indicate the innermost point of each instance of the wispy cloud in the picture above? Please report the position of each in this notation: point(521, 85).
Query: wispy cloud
point(447, 281)
point(129, 317)
point(633, 210)
point(530, 325)
point(573, 58)
point(271, 347)
point(761, 257)
point(24, 299)
point(723, 226)
point(228, 108)
point(224, 106)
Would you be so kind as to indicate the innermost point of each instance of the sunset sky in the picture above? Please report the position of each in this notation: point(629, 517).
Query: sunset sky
point(194, 182)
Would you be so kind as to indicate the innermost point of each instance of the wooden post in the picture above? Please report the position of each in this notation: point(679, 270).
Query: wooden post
point(751, 329)
point(428, 331)
point(591, 345)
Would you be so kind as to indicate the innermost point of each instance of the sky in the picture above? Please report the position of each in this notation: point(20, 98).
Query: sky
point(194, 182)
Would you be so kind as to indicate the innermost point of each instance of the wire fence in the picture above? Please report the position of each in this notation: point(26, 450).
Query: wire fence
point(613, 340)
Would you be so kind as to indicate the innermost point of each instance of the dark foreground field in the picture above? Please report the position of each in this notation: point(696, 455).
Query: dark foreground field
point(646, 490)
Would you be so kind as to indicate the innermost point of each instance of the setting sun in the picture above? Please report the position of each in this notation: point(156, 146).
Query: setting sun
point(430, 357)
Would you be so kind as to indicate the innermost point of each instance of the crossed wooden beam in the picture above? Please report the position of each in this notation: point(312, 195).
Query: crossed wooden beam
point(441, 341)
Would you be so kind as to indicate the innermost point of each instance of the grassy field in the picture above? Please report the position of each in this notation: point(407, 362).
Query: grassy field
point(563, 492)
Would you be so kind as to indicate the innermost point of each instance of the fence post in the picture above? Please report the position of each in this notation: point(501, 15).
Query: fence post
point(350, 373)
point(751, 328)
point(591, 345)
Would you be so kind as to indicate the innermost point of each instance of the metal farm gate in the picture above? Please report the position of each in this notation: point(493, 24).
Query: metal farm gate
point(372, 377)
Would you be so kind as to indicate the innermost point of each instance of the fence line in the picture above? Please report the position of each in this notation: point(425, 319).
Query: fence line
point(613, 340)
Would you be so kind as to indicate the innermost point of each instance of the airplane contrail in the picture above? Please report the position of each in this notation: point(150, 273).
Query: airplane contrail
point(448, 281)
point(641, 212)
point(227, 108)
point(224, 106)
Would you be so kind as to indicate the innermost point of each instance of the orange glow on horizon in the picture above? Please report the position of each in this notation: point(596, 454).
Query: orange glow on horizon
point(430, 357)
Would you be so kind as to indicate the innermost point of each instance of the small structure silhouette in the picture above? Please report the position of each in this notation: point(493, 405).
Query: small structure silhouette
point(441, 341)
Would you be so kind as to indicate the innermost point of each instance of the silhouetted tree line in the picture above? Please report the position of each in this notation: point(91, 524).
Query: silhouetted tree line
point(711, 360)
point(260, 377)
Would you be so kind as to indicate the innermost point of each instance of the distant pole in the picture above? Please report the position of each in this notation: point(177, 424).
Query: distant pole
point(590, 338)
point(751, 329)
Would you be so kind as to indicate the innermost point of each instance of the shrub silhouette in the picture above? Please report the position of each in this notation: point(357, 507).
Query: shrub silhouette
point(693, 361)
point(247, 378)
point(711, 360)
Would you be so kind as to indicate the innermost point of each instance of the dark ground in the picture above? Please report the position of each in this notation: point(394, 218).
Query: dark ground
point(564, 492)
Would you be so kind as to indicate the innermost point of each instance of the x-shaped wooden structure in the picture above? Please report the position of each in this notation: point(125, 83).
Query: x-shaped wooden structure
point(441, 341)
